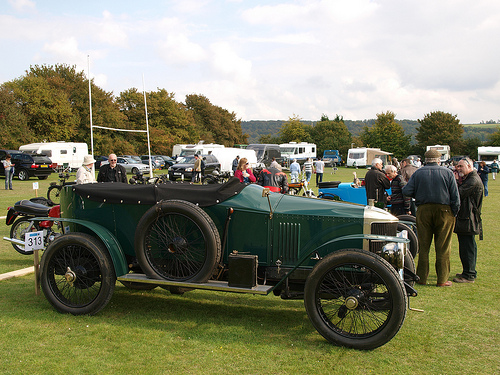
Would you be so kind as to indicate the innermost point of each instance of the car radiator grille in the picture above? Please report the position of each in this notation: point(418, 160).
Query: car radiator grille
point(386, 229)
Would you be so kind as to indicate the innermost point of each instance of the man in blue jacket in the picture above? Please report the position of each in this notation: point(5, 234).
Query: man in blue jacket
point(436, 195)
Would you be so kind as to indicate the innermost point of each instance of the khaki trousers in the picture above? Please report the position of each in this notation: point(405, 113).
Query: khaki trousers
point(438, 221)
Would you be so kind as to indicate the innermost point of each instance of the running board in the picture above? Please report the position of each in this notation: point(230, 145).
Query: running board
point(221, 286)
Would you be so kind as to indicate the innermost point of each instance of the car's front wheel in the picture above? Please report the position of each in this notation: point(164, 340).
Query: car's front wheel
point(356, 299)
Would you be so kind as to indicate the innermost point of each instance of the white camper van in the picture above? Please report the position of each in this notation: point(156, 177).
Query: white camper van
point(64, 154)
point(226, 155)
point(300, 151)
point(488, 154)
point(363, 156)
point(443, 149)
point(199, 148)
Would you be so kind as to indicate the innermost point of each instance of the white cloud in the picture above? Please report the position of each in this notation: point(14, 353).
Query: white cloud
point(226, 63)
point(22, 5)
point(177, 49)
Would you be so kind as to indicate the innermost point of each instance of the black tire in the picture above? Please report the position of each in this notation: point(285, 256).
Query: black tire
point(355, 299)
point(18, 230)
point(177, 241)
point(23, 175)
point(135, 170)
point(53, 194)
point(413, 245)
point(77, 274)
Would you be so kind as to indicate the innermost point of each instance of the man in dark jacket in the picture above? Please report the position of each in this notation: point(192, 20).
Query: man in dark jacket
point(376, 183)
point(436, 195)
point(112, 172)
point(468, 220)
point(274, 179)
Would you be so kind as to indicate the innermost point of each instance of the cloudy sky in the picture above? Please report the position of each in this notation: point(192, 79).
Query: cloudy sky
point(268, 60)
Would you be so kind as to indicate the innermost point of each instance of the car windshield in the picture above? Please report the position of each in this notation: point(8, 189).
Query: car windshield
point(187, 160)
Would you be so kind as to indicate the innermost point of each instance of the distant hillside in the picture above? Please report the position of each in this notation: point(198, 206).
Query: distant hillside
point(257, 128)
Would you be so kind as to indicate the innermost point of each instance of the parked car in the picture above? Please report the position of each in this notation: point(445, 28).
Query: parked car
point(136, 158)
point(28, 165)
point(130, 165)
point(167, 159)
point(184, 168)
point(99, 160)
point(157, 163)
point(345, 261)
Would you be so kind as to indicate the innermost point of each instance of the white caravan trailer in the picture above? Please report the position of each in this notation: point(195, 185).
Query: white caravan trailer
point(228, 154)
point(443, 149)
point(363, 156)
point(300, 151)
point(199, 148)
point(64, 154)
point(488, 154)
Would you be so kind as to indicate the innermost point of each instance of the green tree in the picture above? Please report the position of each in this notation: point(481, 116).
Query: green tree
point(215, 123)
point(170, 122)
point(15, 131)
point(295, 131)
point(470, 147)
point(387, 135)
point(440, 128)
point(494, 138)
point(331, 135)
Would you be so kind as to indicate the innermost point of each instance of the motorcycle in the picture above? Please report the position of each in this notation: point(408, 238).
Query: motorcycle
point(54, 189)
point(216, 178)
point(139, 179)
point(302, 186)
point(19, 217)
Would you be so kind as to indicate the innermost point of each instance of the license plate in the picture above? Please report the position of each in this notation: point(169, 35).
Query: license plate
point(44, 166)
point(177, 173)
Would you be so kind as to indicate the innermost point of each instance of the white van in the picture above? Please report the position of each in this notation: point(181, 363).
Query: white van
point(64, 154)
point(363, 156)
point(444, 150)
point(300, 151)
point(199, 148)
point(228, 154)
point(488, 154)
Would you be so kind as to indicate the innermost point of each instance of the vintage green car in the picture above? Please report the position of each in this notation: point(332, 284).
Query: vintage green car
point(346, 261)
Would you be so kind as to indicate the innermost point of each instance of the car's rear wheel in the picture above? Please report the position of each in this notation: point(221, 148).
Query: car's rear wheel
point(135, 170)
point(176, 240)
point(77, 274)
point(356, 299)
point(23, 175)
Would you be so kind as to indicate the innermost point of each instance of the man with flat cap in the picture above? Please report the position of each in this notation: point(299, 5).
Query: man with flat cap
point(436, 195)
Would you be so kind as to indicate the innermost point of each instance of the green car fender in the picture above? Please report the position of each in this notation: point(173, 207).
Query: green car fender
point(115, 250)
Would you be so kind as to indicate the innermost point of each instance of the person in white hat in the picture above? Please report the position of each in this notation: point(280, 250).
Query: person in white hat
point(85, 174)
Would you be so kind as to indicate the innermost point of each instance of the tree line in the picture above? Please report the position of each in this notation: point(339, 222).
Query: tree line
point(51, 103)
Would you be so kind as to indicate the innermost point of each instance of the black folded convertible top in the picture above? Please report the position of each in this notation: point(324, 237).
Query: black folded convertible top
point(202, 195)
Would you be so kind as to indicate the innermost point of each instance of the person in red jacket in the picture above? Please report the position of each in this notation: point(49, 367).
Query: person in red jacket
point(274, 179)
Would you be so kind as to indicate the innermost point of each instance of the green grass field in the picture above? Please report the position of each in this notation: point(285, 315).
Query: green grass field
point(201, 332)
